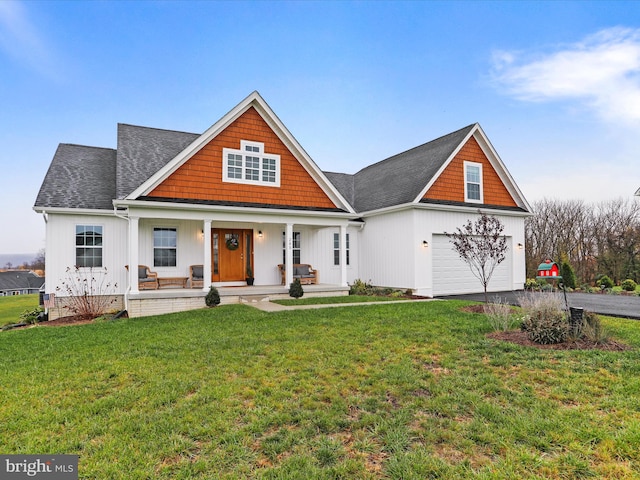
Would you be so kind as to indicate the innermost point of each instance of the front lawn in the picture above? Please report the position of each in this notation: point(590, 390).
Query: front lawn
point(335, 300)
point(11, 307)
point(396, 390)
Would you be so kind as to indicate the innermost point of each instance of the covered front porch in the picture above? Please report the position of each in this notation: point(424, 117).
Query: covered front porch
point(171, 300)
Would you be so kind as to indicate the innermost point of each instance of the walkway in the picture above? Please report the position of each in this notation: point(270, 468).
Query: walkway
point(266, 306)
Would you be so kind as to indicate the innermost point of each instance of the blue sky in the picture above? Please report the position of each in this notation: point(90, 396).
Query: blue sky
point(555, 85)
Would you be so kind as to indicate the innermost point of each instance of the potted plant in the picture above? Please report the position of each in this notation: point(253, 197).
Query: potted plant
point(249, 278)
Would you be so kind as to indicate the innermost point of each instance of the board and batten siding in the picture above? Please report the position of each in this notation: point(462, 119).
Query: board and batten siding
point(61, 239)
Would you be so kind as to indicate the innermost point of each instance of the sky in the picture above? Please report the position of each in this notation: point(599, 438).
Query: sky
point(554, 85)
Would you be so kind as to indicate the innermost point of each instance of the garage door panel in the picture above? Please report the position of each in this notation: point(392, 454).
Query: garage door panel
point(451, 275)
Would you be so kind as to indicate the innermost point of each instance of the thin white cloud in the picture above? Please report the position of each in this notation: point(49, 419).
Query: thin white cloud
point(20, 39)
point(603, 71)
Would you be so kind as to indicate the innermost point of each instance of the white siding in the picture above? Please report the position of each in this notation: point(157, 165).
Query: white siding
point(61, 249)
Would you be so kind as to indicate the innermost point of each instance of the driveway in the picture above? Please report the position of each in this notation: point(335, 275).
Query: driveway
point(613, 305)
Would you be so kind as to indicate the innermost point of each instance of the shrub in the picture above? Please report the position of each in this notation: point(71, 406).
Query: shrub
point(593, 330)
point(213, 297)
point(605, 282)
point(629, 285)
point(295, 289)
point(31, 316)
point(568, 275)
point(499, 315)
point(545, 320)
point(532, 284)
point(89, 292)
point(360, 287)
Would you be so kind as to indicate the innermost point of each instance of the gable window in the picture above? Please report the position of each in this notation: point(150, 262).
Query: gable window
point(165, 247)
point(296, 247)
point(336, 249)
point(88, 246)
point(473, 182)
point(250, 165)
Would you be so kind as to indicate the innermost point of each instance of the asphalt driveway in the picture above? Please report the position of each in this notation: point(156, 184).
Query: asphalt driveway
point(614, 305)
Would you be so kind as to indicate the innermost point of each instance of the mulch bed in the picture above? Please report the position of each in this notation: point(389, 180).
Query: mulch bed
point(520, 338)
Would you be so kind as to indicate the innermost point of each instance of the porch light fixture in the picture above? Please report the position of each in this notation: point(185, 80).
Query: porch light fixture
point(259, 233)
point(520, 246)
point(425, 243)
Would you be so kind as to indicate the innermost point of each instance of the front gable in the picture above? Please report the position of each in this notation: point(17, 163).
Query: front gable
point(493, 186)
point(202, 173)
point(202, 178)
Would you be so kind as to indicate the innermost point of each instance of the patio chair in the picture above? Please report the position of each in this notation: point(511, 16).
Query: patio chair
point(147, 280)
point(196, 276)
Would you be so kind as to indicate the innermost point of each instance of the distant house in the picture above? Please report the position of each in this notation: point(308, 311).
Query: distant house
point(19, 282)
point(244, 199)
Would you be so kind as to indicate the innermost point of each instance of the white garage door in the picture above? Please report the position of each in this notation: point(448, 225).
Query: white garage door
point(451, 275)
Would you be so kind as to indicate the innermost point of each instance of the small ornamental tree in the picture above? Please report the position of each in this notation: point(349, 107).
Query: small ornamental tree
point(295, 289)
point(482, 246)
point(568, 275)
point(88, 291)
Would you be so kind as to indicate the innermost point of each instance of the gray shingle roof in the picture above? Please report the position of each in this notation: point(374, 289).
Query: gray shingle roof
point(20, 280)
point(142, 151)
point(79, 177)
point(400, 178)
point(91, 177)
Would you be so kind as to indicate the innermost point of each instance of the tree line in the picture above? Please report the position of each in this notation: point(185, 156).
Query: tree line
point(595, 239)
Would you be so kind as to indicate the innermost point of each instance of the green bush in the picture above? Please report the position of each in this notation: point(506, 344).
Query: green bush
point(545, 321)
point(568, 275)
point(360, 287)
point(31, 316)
point(532, 284)
point(629, 285)
point(605, 282)
point(547, 328)
point(295, 289)
point(213, 297)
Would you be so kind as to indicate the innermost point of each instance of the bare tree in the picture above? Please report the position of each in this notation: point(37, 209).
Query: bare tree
point(482, 246)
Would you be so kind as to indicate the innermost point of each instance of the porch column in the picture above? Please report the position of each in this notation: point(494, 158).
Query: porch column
point(288, 258)
point(133, 254)
point(206, 271)
point(343, 255)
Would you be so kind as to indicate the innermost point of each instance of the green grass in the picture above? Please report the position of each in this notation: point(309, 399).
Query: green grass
point(11, 307)
point(389, 391)
point(341, 299)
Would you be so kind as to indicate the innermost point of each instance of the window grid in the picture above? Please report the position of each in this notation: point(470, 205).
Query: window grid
point(296, 247)
point(336, 249)
point(473, 182)
point(251, 165)
point(165, 247)
point(88, 246)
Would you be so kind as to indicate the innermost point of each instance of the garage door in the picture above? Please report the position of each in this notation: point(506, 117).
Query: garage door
point(451, 275)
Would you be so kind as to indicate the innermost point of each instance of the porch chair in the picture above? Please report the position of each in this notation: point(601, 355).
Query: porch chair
point(147, 280)
point(196, 276)
point(302, 271)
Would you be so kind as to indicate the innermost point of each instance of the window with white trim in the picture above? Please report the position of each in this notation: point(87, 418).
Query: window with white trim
point(165, 247)
point(473, 182)
point(89, 246)
point(336, 249)
point(250, 165)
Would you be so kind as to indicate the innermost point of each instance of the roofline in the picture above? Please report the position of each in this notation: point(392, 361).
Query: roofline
point(442, 207)
point(128, 203)
point(261, 106)
point(72, 211)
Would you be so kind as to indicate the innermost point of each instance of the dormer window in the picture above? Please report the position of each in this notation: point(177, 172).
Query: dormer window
point(473, 182)
point(251, 165)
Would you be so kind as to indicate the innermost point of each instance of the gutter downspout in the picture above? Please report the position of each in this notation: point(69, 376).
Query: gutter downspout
point(128, 290)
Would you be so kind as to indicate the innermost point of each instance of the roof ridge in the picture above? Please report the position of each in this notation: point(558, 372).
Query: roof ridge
point(156, 128)
point(417, 146)
point(85, 146)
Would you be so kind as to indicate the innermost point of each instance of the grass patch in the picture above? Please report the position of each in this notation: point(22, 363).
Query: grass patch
point(11, 307)
point(340, 299)
point(399, 391)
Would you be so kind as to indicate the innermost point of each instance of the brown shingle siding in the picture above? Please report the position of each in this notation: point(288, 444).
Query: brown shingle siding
point(200, 178)
point(450, 184)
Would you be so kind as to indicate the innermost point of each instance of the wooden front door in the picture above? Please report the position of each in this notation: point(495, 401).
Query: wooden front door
point(231, 255)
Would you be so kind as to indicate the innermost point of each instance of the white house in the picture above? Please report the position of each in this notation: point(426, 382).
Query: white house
point(244, 197)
